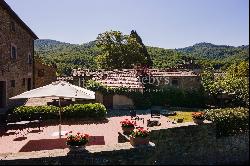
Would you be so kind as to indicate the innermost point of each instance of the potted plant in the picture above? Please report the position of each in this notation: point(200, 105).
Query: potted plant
point(139, 137)
point(127, 126)
point(198, 117)
point(76, 142)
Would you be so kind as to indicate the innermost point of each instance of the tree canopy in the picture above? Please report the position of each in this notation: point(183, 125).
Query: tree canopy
point(234, 82)
point(118, 51)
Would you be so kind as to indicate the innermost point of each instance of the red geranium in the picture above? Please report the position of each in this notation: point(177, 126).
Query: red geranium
point(127, 123)
point(198, 115)
point(77, 139)
point(139, 132)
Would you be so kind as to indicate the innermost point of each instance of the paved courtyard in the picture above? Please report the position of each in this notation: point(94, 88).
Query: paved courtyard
point(103, 132)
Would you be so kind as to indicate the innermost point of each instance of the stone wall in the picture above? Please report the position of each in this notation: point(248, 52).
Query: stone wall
point(186, 145)
point(44, 74)
point(121, 102)
point(184, 82)
point(99, 97)
point(18, 69)
point(118, 101)
point(199, 145)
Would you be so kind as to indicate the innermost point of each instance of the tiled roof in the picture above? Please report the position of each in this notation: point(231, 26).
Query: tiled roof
point(127, 77)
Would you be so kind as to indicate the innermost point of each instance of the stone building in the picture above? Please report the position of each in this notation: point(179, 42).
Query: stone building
point(130, 79)
point(44, 74)
point(187, 80)
point(16, 56)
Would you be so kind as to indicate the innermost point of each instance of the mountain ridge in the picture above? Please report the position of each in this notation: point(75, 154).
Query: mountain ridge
point(68, 56)
point(92, 42)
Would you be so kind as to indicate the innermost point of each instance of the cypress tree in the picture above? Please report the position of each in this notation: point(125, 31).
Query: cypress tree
point(144, 49)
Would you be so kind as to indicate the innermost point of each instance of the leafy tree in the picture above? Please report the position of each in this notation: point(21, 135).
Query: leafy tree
point(118, 51)
point(234, 82)
point(212, 85)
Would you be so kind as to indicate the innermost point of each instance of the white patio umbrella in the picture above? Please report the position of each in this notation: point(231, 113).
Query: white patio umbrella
point(60, 89)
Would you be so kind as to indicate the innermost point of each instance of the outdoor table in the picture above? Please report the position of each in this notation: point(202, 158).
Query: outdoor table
point(22, 124)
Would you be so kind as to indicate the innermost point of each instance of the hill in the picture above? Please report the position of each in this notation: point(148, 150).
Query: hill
point(67, 56)
point(217, 55)
point(211, 51)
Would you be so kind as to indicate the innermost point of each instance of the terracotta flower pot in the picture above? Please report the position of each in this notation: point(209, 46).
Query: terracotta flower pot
point(76, 148)
point(198, 121)
point(135, 141)
point(127, 130)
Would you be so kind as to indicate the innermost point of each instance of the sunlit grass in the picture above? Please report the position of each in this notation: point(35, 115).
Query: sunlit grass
point(186, 116)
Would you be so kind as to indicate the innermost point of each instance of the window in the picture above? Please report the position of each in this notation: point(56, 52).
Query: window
point(23, 83)
point(13, 83)
point(13, 26)
point(13, 51)
point(175, 82)
point(29, 58)
point(40, 73)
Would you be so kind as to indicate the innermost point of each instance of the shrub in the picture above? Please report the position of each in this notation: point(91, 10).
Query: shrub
point(140, 100)
point(24, 112)
point(95, 110)
point(176, 97)
point(229, 121)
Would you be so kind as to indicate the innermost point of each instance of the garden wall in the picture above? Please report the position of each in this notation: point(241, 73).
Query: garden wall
point(121, 101)
point(183, 145)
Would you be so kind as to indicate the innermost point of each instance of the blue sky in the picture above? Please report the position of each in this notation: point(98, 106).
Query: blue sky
point(160, 23)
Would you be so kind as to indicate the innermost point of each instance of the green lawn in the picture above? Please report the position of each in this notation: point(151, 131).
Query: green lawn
point(185, 113)
point(180, 115)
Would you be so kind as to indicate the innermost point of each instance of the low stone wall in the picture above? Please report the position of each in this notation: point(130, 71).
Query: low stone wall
point(184, 145)
point(198, 145)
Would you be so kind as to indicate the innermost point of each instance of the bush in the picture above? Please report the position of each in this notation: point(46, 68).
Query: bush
point(229, 121)
point(140, 100)
point(24, 112)
point(176, 97)
point(96, 110)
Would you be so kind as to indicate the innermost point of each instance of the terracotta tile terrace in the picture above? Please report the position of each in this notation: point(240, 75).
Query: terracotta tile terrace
point(105, 134)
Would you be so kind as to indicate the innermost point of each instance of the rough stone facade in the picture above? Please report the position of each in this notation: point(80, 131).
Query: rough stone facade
point(117, 101)
point(122, 101)
point(16, 73)
point(44, 74)
point(182, 82)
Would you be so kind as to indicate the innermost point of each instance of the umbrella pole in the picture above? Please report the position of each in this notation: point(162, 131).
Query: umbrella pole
point(60, 135)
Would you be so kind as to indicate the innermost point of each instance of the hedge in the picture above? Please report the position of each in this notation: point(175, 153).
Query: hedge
point(48, 112)
point(95, 110)
point(176, 97)
point(229, 121)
